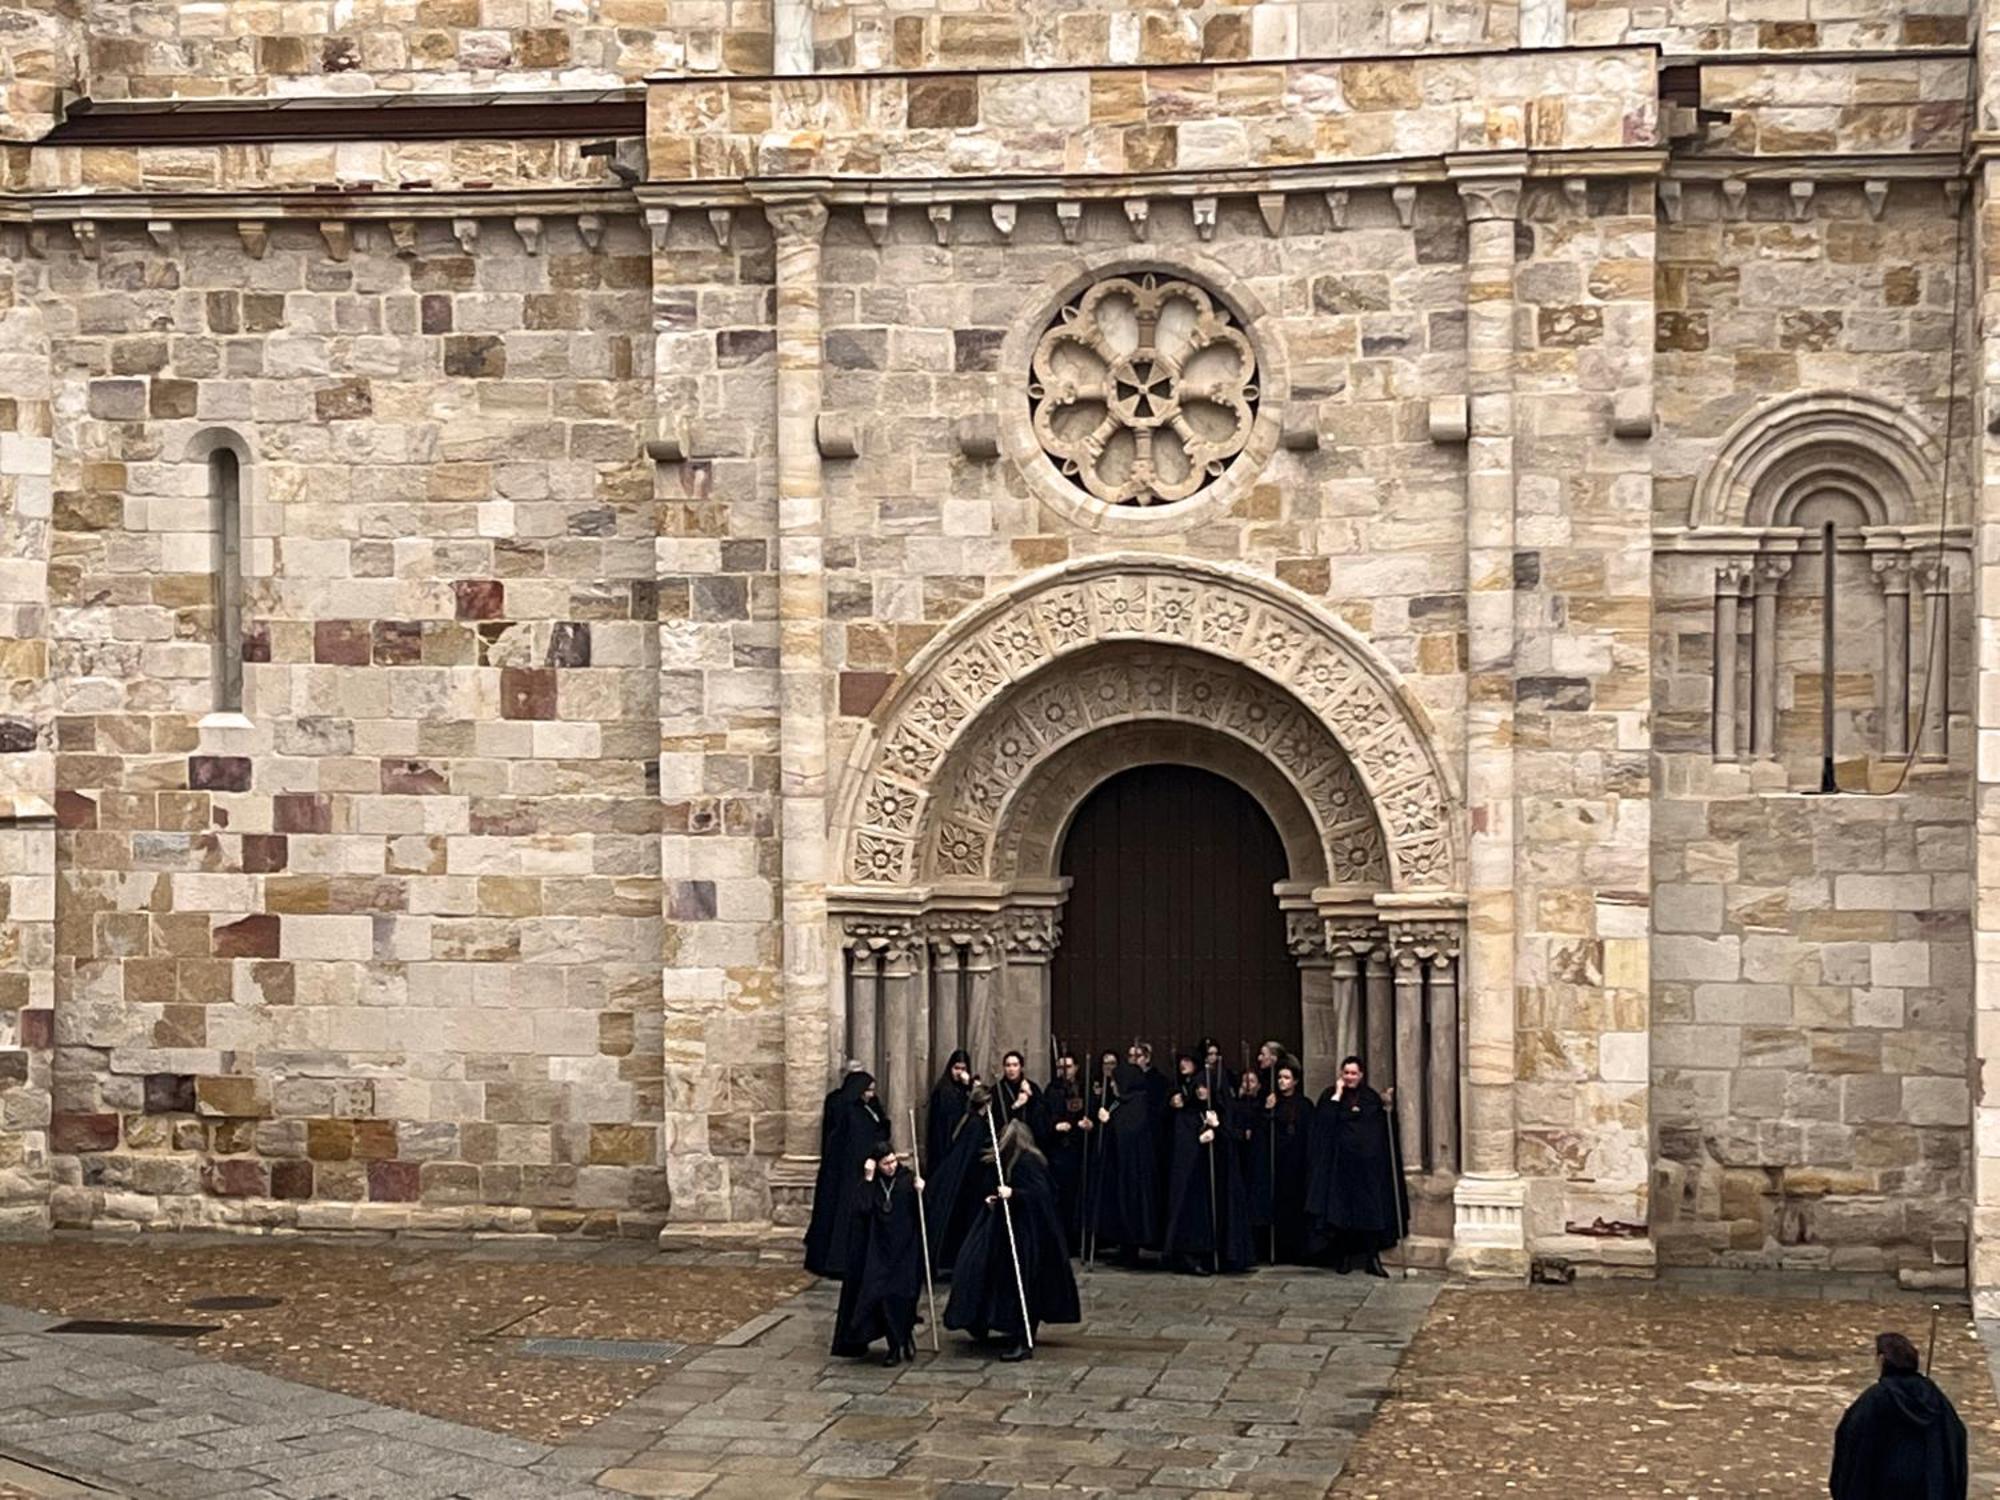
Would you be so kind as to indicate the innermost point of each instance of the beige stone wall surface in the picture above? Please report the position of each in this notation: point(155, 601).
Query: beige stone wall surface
point(1812, 958)
point(241, 49)
point(1150, 120)
point(385, 947)
point(41, 61)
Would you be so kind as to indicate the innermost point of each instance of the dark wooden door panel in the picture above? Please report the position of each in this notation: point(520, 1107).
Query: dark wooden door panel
point(1172, 930)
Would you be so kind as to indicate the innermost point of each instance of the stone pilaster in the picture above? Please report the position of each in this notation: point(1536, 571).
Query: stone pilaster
point(797, 228)
point(1985, 1248)
point(1892, 574)
point(1489, 1237)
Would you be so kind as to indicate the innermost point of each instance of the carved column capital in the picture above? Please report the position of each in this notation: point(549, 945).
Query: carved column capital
point(1730, 576)
point(797, 221)
point(1770, 570)
point(1031, 933)
point(1305, 935)
point(1490, 198)
point(1933, 572)
point(1892, 571)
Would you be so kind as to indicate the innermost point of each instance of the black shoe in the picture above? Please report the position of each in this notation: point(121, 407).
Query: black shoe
point(892, 1358)
point(1197, 1268)
point(1015, 1354)
point(909, 1354)
point(1374, 1267)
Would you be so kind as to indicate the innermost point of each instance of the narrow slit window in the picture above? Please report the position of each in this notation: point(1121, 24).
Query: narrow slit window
point(225, 488)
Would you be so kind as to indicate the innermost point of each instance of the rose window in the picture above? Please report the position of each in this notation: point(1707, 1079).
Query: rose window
point(1143, 390)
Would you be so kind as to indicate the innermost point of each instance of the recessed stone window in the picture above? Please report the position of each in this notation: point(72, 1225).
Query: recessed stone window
point(1143, 390)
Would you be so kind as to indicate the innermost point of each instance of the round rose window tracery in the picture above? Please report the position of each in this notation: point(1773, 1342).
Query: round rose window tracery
point(1143, 390)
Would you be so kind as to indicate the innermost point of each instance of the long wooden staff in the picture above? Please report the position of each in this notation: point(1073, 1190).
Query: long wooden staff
point(1013, 1247)
point(1271, 1131)
point(1083, 1192)
point(1214, 1230)
point(923, 1230)
point(1396, 1184)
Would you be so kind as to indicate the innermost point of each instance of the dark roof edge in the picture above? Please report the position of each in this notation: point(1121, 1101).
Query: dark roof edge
point(490, 118)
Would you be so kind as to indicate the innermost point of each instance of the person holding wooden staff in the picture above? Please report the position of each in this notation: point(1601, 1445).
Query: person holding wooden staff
point(878, 1295)
point(1013, 1272)
point(1357, 1196)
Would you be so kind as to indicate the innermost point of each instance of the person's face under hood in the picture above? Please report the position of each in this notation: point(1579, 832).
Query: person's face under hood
point(858, 1088)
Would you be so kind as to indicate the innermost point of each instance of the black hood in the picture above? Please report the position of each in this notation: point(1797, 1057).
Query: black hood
point(1919, 1402)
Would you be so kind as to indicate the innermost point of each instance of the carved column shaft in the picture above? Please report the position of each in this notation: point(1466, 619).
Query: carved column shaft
point(947, 985)
point(864, 1006)
point(1491, 207)
point(1892, 571)
point(902, 1045)
point(1410, 1075)
point(1441, 1090)
point(1346, 1040)
point(1764, 657)
point(801, 670)
point(1934, 574)
point(1728, 591)
point(1379, 1027)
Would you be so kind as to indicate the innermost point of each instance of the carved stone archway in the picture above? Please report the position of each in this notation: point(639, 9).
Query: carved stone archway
point(1230, 617)
point(958, 793)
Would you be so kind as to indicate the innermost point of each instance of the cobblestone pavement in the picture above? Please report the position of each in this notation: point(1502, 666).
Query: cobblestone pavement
point(1705, 1384)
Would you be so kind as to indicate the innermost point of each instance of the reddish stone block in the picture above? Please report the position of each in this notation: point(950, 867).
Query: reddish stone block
point(302, 812)
point(231, 1095)
point(257, 641)
point(38, 1029)
point(291, 1179)
point(264, 853)
point(70, 1134)
point(394, 1181)
point(74, 810)
point(374, 1140)
point(341, 643)
point(479, 598)
point(527, 693)
point(691, 900)
point(255, 936)
point(399, 643)
point(236, 1177)
point(219, 773)
point(861, 691)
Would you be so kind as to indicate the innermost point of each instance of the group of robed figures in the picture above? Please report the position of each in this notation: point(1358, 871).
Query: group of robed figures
point(1209, 1169)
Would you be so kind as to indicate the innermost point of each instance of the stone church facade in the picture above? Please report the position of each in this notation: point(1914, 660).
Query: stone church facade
point(568, 568)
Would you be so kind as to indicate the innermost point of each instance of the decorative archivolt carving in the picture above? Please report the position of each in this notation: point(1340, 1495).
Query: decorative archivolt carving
point(1018, 736)
point(1312, 672)
point(1788, 449)
point(1143, 389)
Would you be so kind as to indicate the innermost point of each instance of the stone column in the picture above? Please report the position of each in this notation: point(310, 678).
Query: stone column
point(946, 977)
point(1379, 1027)
point(982, 1006)
point(1934, 577)
point(1305, 935)
point(1030, 935)
point(1729, 580)
point(1410, 1075)
point(1346, 1040)
point(1764, 657)
point(1488, 1238)
point(802, 711)
point(1892, 573)
point(902, 1049)
point(1441, 1083)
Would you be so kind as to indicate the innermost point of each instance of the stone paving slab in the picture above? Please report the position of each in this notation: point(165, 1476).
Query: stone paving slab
point(1171, 1387)
point(143, 1417)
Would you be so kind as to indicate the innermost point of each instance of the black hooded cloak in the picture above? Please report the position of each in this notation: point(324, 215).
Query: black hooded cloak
point(1208, 1211)
point(1291, 1119)
point(1356, 1198)
point(1900, 1440)
point(853, 1128)
point(1066, 1106)
point(885, 1274)
point(1124, 1180)
point(955, 1186)
point(985, 1298)
point(947, 1109)
point(1035, 1114)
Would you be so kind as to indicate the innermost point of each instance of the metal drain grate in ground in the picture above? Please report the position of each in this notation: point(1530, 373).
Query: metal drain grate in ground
point(233, 1303)
point(136, 1328)
point(632, 1351)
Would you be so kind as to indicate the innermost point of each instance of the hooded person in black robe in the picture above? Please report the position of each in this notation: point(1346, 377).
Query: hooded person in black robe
point(885, 1270)
point(947, 1106)
point(1901, 1439)
point(1069, 1136)
point(987, 1297)
point(1125, 1177)
point(855, 1122)
point(1019, 1097)
point(956, 1183)
point(1290, 1118)
point(1249, 1134)
point(1356, 1198)
point(1208, 1214)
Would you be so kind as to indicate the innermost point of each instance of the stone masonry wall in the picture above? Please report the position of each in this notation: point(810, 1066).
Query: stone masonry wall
point(391, 935)
point(1812, 959)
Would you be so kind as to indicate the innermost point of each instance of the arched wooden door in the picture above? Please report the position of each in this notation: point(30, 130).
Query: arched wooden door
point(1172, 930)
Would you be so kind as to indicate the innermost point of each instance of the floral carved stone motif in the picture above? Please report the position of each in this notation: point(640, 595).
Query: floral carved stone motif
point(1020, 679)
point(1143, 390)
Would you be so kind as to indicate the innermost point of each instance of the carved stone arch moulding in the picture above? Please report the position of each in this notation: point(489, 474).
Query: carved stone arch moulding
point(1787, 449)
point(1283, 668)
point(1145, 390)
